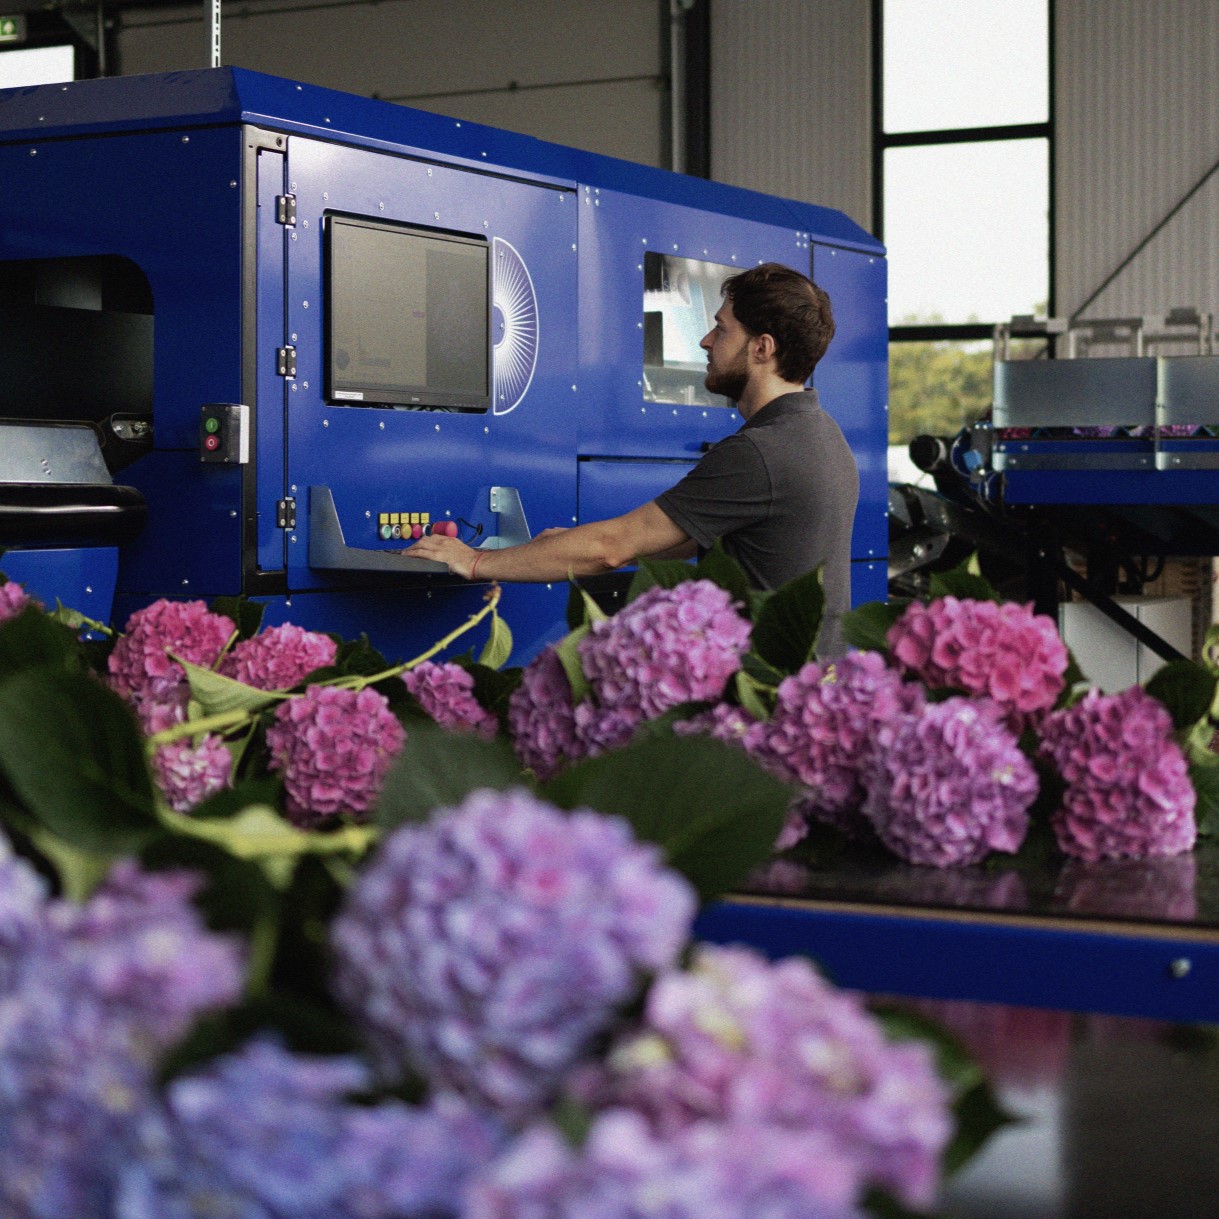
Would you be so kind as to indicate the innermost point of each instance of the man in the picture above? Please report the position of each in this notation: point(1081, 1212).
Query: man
point(780, 492)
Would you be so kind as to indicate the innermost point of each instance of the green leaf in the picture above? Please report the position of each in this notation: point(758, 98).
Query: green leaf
point(1186, 689)
point(720, 568)
point(785, 633)
point(659, 573)
point(74, 756)
point(1204, 775)
point(75, 621)
point(438, 769)
point(713, 810)
point(867, 627)
point(217, 694)
point(358, 658)
point(266, 789)
point(749, 692)
point(498, 647)
point(493, 688)
point(567, 650)
point(33, 639)
point(246, 615)
point(964, 582)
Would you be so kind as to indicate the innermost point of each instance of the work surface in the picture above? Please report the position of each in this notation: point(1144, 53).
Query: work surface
point(1086, 992)
point(1122, 938)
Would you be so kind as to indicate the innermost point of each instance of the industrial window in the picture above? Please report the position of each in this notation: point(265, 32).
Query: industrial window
point(963, 174)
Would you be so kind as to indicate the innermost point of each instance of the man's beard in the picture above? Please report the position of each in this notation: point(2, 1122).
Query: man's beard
point(730, 381)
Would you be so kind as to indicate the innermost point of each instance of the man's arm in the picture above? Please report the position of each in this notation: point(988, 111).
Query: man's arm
point(583, 550)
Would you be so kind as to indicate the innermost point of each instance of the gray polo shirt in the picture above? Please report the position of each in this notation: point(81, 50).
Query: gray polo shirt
point(780, 492)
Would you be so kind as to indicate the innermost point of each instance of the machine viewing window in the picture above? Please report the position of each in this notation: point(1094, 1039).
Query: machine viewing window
point(680, 297)
point(409, 316)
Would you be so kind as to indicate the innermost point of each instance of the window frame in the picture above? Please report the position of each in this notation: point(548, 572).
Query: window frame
point(882, 141)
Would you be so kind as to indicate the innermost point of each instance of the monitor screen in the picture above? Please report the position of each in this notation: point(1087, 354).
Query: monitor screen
point(409, 316)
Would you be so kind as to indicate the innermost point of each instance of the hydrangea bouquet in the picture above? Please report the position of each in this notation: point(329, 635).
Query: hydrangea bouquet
point(287, 930)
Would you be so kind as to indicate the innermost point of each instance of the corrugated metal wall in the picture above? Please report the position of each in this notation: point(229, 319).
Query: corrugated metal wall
point(791, 100)
point(588, 73)
point(1137, 128)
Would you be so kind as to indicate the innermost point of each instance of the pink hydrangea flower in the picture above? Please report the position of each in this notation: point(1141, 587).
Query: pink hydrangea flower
point(488, 948)
point(1128, 791)
point(333, 748)
point(446, 693)
point(739, 1040)
point(542, 719)
point(825, 721)
point(668, 646)
point(140, 666)
point(1004, 652)
point(947, 784)
point(279, 658)
point(187, 773)
point(13, 600)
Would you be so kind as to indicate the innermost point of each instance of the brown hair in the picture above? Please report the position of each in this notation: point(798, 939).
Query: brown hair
point(775, 300)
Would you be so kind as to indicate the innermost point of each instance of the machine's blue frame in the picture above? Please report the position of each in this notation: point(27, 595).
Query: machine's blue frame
point(1159, 971)
point(180, 173)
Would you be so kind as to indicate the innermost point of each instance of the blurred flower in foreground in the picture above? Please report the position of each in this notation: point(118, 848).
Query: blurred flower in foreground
point(486, 949)
point(777, 1049)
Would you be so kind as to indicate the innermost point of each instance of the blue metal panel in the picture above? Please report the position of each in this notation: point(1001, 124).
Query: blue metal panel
point(235, 95)
point(1125, 972)
point(83, 578)
point(169, 202)
point(610, 488)
point(1081, 486)
point(869, 582)
point(427, 461)
point(616, 231)
point(853, 381)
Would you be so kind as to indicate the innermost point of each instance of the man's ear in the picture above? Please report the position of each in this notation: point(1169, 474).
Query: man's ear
point(763, 348)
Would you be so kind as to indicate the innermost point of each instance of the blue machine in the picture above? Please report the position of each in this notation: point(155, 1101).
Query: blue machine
point(292, 326)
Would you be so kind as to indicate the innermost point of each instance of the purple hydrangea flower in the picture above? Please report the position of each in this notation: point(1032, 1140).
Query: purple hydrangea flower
point(948, 784)
point(1128, 791)
point(708, 1171)
point(92, 1001)
point(1004, 652)
point(774, 1047)
point(446, 693)
point(486, 949)
point(541, 717)
point(279, 658)
point(13, 600)
point(333, 747)
point(668, 646)
point(140, 667)
point(187, 773)
point(23, 898)
point(825, 720)
point(269, 1133)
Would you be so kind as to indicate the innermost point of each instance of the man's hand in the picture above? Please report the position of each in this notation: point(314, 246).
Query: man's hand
point(457, 556)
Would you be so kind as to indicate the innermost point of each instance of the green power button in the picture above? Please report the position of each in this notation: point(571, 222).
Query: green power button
point(211, 424)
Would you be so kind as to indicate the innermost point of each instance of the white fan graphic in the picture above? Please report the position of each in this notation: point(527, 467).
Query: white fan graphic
point(514, 322)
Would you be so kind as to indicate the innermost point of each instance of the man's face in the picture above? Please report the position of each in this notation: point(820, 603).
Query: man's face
point(726, 346)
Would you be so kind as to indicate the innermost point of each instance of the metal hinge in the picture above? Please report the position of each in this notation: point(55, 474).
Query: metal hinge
point(285, 513)
point(285, 361)
point(285, 209)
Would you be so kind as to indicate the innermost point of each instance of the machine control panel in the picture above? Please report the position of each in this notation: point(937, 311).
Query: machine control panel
point(393, 526)
point(224, 433)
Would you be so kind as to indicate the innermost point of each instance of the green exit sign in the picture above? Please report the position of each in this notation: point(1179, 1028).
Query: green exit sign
point(12, 29)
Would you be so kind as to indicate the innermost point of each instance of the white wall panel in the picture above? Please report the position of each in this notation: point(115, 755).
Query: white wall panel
point(581, 72)
point(791, 100)
point(1136, 128)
